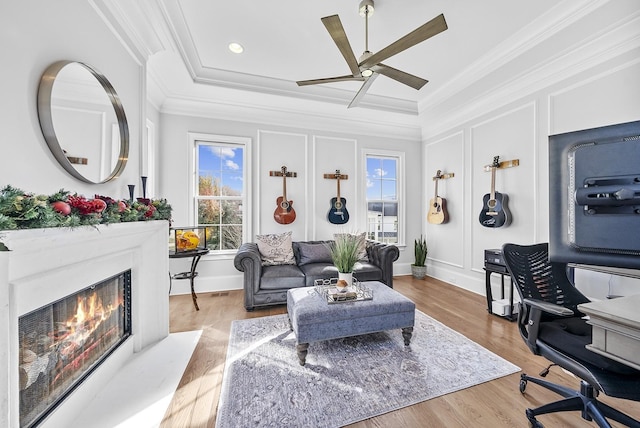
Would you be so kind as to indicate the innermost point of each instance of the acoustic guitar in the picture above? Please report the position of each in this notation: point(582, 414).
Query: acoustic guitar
point(437, 206)
point(338, 213)
point(284, 213)
point(495, 212)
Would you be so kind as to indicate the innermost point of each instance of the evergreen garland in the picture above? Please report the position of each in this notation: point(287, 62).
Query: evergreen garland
point(22, 210)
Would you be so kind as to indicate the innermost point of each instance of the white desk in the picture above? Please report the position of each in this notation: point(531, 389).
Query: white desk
point(616, 328)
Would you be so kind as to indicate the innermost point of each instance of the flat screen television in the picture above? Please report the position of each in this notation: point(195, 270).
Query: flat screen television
point(594, 196)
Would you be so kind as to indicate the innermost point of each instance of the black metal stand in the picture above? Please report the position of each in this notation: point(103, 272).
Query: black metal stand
point(191, 274)
point(502, 271)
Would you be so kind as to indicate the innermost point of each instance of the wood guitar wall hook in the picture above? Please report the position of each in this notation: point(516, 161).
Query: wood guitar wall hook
point(284, 213)
point(437, 213)
point(338, 213)
point(495, 212)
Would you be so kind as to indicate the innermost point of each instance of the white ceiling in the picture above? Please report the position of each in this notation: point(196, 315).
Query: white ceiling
point(285, 41)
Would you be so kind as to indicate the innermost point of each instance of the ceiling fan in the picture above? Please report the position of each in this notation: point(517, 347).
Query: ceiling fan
point(369, 65)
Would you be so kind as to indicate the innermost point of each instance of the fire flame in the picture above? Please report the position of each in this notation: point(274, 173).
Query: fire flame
point(89, 310)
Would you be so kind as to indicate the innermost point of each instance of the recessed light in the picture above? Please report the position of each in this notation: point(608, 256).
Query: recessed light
point(236, 47)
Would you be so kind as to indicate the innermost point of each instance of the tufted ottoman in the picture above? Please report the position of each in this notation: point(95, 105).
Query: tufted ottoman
point(313, 319)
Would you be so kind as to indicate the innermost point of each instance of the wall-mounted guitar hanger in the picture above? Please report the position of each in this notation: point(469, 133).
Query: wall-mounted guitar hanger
point(501, 165)
point(284, 213)
point(338, 213)
point(440, 176)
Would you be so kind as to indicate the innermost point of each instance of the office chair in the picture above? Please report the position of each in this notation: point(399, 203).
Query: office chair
point(552, 326)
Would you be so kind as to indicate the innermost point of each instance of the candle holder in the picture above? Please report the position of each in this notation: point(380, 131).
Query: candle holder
point(131, 189)
point(144, 187)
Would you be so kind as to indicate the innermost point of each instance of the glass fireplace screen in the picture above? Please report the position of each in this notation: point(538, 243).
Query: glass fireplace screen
point(62, 342)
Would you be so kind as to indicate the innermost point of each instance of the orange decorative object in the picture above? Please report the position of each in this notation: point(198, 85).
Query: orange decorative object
point(188, 240)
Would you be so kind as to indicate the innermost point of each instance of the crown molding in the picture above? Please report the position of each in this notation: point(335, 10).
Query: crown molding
point(554, 21)
point(183, 43)
point(299, 114)
point(604, 46)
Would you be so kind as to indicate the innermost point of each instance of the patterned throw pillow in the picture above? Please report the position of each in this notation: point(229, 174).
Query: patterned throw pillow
point(362, 243)
point(276, 249)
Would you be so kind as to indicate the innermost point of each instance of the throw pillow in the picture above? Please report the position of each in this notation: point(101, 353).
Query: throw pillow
point(313, 253)
point(276, 249)
point(362, 244)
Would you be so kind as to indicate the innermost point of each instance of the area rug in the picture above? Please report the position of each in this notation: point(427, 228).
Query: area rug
point(344, 380)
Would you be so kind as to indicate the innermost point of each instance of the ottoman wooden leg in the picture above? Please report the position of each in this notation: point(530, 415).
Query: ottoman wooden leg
point(406, 334)
point(302, 352)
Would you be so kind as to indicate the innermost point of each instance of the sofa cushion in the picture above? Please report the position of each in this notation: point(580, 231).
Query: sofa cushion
point(313, 253)
point(282, 276)
point(363, 271)
point(276, 249)
point(313, 271)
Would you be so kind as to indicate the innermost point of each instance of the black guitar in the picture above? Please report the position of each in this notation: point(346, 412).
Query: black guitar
point(494, 210)
point(338, 213)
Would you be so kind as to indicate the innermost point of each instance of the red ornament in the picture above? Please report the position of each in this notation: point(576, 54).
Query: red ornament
point(99, 205)
point(61, 207)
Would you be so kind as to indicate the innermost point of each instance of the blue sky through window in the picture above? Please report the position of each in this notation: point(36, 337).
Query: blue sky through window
point(223, 163)
point(381, 178)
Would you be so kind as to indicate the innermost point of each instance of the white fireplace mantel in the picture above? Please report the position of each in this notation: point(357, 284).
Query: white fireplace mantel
point(43, 265)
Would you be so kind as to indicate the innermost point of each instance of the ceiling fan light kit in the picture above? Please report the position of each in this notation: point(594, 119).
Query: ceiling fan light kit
point(370, 65)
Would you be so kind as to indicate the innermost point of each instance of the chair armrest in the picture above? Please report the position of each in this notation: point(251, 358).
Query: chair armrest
point(249, 261)
point(550, 308)
point(248, 257)
point(383, 256)
point(530, 326)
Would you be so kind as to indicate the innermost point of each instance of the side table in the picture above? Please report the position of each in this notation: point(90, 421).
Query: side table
point(490, 268)
point(191, 274)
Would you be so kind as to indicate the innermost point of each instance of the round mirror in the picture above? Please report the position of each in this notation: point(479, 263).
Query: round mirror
point(83, 121)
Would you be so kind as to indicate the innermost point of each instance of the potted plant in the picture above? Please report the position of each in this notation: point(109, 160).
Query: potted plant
point(419, 269)
point(344, 254)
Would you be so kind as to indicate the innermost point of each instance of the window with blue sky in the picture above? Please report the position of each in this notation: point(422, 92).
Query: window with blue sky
point(220, 193)
point(382, 198)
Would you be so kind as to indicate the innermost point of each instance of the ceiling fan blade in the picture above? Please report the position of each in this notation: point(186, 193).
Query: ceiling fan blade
point(435, 26)
point(346, 78)
point(336, 31)
point(363, 90)
point(408, 79)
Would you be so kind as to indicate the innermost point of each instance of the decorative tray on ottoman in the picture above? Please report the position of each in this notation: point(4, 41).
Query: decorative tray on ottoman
point(327, 289)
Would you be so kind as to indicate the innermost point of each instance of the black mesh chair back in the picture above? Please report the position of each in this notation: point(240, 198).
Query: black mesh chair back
point(537, 278)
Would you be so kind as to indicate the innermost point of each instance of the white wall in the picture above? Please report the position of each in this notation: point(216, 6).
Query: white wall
point(35, 34)
point(308, 152)
point(585, 76)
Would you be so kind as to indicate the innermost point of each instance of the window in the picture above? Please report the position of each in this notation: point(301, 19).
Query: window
point(221, 193)
point(384, 204)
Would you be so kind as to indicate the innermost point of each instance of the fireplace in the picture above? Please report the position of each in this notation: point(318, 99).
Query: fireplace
point(61, 343)
point(50, 281)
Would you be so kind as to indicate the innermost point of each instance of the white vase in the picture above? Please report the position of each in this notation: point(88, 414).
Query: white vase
point(346, 276)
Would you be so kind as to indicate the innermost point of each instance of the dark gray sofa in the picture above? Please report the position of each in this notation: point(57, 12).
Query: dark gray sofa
point(268, 285)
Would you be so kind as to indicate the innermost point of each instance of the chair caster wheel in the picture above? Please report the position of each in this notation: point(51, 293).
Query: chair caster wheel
point(523, 385)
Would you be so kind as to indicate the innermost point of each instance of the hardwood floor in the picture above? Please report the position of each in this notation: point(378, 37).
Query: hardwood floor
point(493, 404)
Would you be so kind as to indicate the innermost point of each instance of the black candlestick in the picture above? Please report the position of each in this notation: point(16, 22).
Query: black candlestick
point(131, 188)
point(144, 187)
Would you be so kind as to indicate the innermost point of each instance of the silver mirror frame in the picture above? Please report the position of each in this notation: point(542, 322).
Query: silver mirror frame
point(46, 120)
